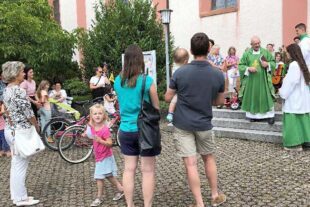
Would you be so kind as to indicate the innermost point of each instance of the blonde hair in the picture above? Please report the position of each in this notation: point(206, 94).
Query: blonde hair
point(41, 87)
point(100, 107)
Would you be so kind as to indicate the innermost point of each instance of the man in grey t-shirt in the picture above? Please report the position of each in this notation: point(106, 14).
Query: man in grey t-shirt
point(198, 86)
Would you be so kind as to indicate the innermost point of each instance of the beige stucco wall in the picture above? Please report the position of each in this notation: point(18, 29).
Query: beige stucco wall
point(230, 29)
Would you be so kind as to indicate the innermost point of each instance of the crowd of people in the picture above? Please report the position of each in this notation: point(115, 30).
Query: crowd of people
point(194, 89)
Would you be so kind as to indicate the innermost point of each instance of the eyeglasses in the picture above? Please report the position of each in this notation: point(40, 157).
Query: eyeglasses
point(100, 71)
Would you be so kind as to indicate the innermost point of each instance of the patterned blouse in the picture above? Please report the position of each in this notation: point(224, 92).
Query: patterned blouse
point(19, 107)
point(217, 60)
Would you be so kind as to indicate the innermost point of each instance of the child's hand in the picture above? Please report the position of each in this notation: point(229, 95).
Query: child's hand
point(98, 139)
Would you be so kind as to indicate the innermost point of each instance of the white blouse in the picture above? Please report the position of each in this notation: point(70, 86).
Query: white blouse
point(295, 92)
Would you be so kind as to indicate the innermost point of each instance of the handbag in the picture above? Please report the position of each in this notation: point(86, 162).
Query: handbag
point(148, 124)
point(26, 142)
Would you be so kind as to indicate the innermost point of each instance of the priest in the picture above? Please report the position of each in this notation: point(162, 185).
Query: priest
point(257, 92)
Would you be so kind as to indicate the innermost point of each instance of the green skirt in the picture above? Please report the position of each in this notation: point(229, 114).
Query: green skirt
point(296, 129)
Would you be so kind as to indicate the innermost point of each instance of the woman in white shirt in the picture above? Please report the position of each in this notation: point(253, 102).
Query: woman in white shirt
point(98, 83)
point(59, 94)
point(295, 91)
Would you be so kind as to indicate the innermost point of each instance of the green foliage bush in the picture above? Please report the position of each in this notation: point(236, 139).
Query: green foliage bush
point(76, 87)
point(118, 25)
point(29, 33)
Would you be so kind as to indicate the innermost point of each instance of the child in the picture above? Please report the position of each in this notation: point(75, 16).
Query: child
point(109, 101)
point(105, 162)
point(45, 111)
point(180, 58)
point(4, 147)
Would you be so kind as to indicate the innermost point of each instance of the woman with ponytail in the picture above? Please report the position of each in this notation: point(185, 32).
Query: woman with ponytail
point(295, 91)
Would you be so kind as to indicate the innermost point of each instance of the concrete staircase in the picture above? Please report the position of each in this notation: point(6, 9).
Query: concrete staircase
point(232, 124)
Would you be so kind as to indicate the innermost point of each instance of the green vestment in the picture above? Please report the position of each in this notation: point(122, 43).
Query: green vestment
point(256, 91)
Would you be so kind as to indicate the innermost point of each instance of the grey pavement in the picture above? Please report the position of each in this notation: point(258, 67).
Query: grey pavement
point(250, 174)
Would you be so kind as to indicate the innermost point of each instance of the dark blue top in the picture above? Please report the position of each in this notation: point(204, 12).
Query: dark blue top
point(197, 84)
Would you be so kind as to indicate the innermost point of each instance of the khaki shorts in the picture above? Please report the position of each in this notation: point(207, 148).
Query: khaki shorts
point(189, 143)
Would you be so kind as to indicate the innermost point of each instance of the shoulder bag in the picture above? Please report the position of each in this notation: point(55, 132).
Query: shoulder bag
point(148, 124)
point(26, 142)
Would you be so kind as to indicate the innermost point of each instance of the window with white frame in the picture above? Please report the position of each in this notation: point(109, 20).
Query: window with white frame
point(223, 4)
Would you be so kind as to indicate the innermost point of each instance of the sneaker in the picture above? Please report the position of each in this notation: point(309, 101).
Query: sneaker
point(293, 149)
point(169, 117)
point(28, 202)
point(170, 125)
point(118, 196)
point(96, 202)
point(220, 199)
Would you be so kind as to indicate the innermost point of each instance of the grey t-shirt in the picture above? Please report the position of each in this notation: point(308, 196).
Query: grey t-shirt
point(197, 85)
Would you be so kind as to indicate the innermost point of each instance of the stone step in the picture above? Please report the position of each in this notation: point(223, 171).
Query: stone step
point(237, 114)
point(246, 124)
point(253, 135)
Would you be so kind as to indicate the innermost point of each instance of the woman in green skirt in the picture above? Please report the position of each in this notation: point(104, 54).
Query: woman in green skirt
point(295, 91)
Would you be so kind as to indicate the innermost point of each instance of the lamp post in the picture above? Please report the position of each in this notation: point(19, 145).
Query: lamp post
point(165, 19)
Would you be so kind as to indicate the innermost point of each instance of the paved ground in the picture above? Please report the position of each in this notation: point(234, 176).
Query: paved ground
point(250, 173)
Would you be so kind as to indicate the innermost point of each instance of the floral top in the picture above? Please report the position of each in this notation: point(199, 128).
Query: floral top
point(217, 60)
point(232, 60)
point(19, 107)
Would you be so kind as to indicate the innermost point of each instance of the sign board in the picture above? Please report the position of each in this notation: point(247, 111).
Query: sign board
point(149, 63)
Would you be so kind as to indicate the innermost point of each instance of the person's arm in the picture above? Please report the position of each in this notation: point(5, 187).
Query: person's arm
point(108, 142)
point(219, 100)
point(169, 95)
point(154, 96)
point(34, 122)
point(106, 80)
point(2, 111)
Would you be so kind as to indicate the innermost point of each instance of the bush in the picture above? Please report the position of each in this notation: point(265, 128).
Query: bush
point(29, 34)
point(118, 25)
point(76, 87)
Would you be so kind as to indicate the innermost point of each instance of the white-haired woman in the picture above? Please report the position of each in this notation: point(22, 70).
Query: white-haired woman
point(21, 116)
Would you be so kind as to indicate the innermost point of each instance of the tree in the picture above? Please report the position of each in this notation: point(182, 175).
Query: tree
point(118, 25)
point(29, 33)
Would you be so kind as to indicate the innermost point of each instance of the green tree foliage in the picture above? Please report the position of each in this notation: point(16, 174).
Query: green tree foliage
point(29, 33)
point(118, 25)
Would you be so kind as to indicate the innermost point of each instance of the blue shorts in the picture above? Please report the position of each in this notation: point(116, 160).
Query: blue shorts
point(130, 145)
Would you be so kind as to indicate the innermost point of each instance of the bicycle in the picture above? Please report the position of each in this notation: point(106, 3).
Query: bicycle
point(63, 120)
point(75, 147)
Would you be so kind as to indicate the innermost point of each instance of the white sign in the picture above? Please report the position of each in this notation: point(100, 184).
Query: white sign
point(149, 63)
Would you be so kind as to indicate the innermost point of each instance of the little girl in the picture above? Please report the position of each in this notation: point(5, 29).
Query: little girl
point(45, 111)
point(105, 162)
point(109, 101)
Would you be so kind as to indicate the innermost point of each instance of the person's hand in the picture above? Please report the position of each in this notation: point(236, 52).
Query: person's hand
point(252, 69)
point(97, 139)
point(264, 64)
point(37, 128)
point(38, 104)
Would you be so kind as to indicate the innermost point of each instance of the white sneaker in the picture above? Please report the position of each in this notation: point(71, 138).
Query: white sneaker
point(28, 202)
point(29, 198)
point(170, 125)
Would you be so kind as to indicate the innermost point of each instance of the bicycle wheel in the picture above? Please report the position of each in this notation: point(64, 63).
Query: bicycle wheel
point(57, 127)
point(73, 146)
